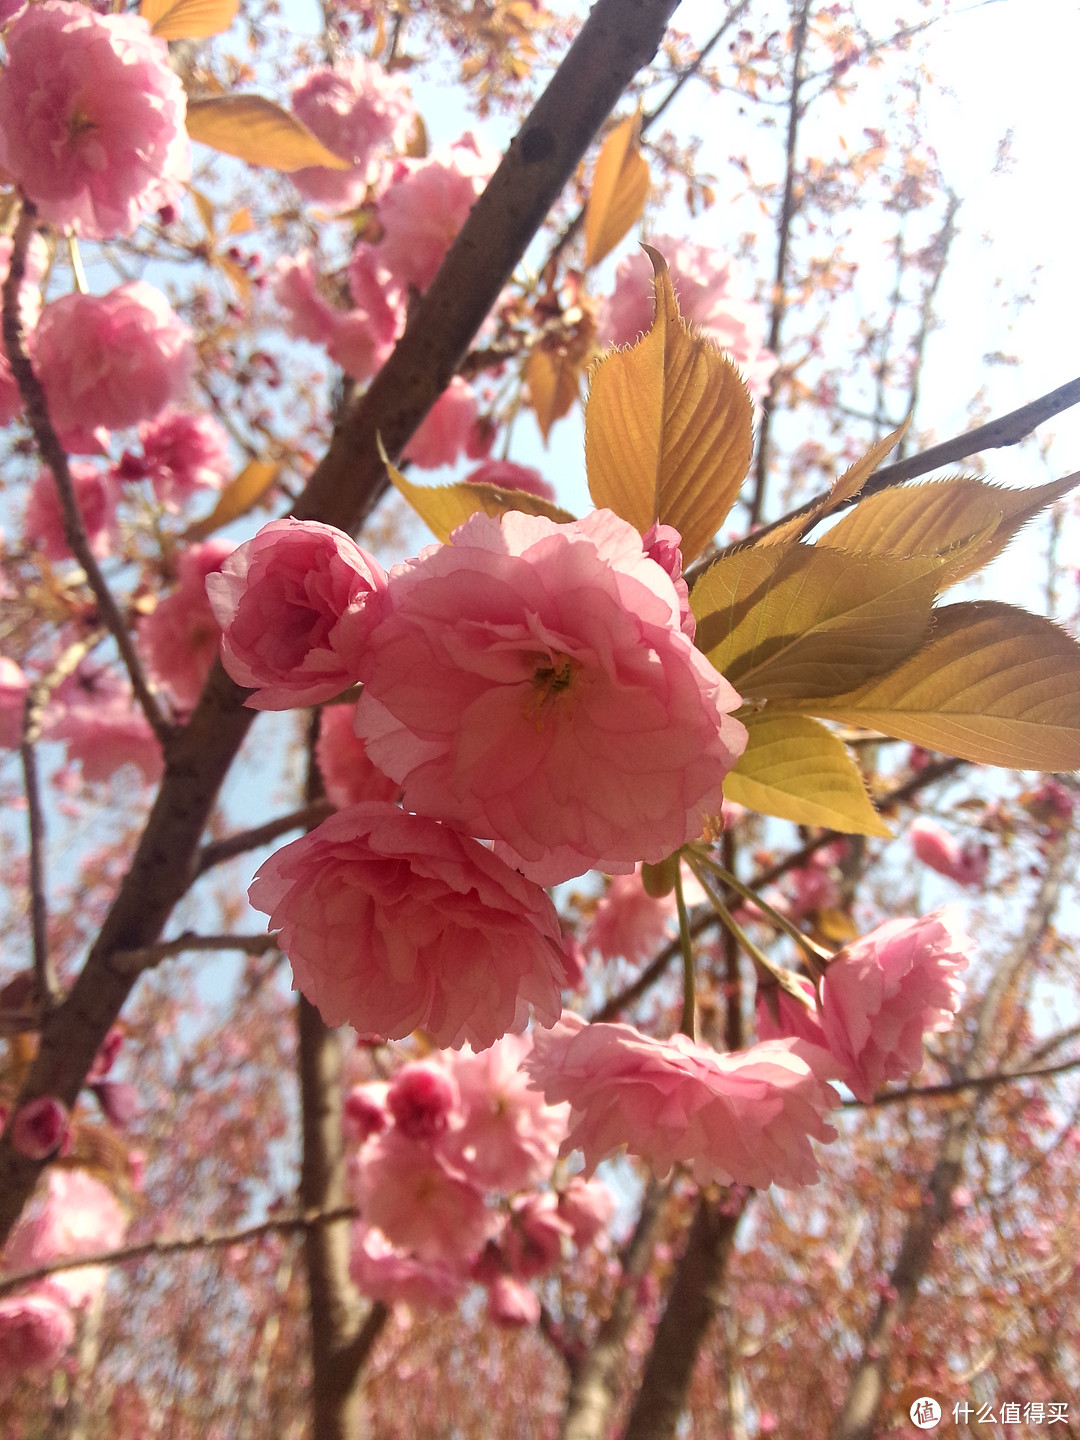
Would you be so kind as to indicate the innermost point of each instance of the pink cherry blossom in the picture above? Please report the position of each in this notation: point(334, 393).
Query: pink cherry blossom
point(444, 432)
point(393, 922)
point(509, 1137)
point(663, 543)
point(295, 604)
point(365, 1111)
point(295, 287)
point(533, 1239)
point(782, 1016)
point(745, 1118)
point(512, 1304)
point(37, 262)
point(385, 1273)
point(588, 1207)
point(629, 922)
point(110, 360)
point(91, 118)
point(883, 992)
point(40, 1127)
point(14, 687)
point(421, 1204)
point(531, 684)
point(422, 1098)
point(966, 864)
point(183, 453)
point(76, 1215)
point(426, 205)
point(348, 775)
point(509, 476)
point(35, 1330)
point(96, 501)
point(704, 281)
point(356, 109)
point(180, 639)
point(96, 715)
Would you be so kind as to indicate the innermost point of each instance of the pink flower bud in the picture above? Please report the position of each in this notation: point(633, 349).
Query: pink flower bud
point(40, 1127)
point(421, 1098)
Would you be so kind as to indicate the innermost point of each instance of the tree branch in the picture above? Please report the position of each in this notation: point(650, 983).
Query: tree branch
point(957, 1087)
point(136, 962)
point(617, 39)
point(218, 851)
point(55, 457)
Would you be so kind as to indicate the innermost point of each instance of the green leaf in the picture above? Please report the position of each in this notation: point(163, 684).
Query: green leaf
point(993, 685)
point(444, 507)
point(797, 769)
point(668, 428)
point(256, 130)
point(783, 623)
point(941, 516)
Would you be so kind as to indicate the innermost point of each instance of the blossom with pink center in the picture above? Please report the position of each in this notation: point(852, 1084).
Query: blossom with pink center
point(531, 684)
point(35, 1330)
point(356, 109)
point(883, 992)
point(111, 360)
point(510, 1137)
point(96, 501)
point(512, 1304)
point(703, 281)
point(393, 922)
point(745, 1118)
point(422, 1098)
point(966, 864)
point(588, 1207)
point(425, 206)
point(91, 118)
point(421, 1204)
point(180, 638)
point(348, 775)
point(183, 453)
point(509, 476)
point(40, 1127)
point(383, 1272)
point(37, 262)
point(295, 604)
point(533, 1239)
point(445, 430)
point(95, 713)
point(629, 922)
point(365, 1111)
point(14, 688)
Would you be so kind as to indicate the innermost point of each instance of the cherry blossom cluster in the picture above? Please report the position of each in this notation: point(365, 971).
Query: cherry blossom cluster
point(451, 1172)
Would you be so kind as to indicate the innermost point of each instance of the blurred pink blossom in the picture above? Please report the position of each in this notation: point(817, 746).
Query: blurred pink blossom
point(96, 714)
point(532, 1241)
point(91, 118)
point(183, 453)
point(563, 713)
point(587, 1206)
point(76, 1215)
point(348, 775)
point(35, 1330)
point(95, 497)
point(422, 1097)
point(629, 922)
point(40, 1127)
point(180, 638)
point(744, 1118)
point(295, 603)
point(512, 1304)
point(509, 476)
point(365, 1111)
point(110, 360)
point(13, 691)
point(966, 864)
point(295, 287)
point(883, 992)
point(393, 922)
point(356, 109)
point(385, 1273)
point(445, 431)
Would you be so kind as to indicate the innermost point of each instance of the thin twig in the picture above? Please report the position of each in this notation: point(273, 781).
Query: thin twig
point(205, 1240)
point(955, 1087)
point(55, 457)
point(218, 851)
point(134, 962)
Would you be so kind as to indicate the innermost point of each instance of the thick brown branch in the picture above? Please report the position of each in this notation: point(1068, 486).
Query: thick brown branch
point(617, 39)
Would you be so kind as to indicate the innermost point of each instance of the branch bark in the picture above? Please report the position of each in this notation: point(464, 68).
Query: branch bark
point(617, 39)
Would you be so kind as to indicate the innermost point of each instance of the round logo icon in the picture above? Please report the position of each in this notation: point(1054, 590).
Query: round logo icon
point(925, 1412)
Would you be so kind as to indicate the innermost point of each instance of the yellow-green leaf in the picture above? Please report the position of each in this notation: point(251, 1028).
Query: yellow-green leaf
point(257, 130)
point(554, 382)
point(188, 19)
point(668, 428)
point(992, 684)
point(238, 497)
point(944, 515)
point(619, 189)
point(797, 769)
point(444, 507)
point(848, 485)
point(801, 621)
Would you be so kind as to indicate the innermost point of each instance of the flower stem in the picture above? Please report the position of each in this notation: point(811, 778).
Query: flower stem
point(686, 1024)
point(814, 952)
